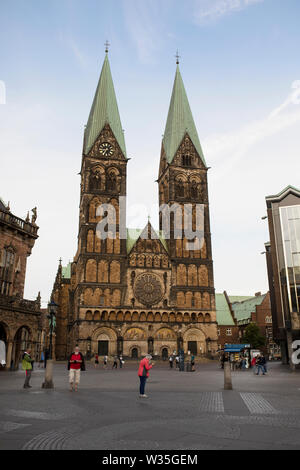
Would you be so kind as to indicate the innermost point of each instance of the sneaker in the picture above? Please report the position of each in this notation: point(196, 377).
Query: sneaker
point(144, 396)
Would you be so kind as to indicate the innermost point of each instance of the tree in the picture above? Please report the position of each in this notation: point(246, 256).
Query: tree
point(253, 336)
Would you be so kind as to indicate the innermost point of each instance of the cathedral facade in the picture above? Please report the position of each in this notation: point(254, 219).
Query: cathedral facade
point(146, 291)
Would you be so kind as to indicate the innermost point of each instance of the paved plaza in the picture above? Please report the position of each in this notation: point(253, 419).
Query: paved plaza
point(184, 411)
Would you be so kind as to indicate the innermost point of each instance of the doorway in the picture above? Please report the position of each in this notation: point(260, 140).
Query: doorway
point(164, 354)
point(192, 346)
point(134, 353)
point(103, 348)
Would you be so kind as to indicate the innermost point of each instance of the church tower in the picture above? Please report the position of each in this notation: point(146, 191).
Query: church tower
point(183, 181)
point(100, 263)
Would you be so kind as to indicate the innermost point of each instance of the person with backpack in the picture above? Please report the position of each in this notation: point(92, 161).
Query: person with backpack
point(260, 365)
point(75, 365)
point(27, 362)
point(143, 373)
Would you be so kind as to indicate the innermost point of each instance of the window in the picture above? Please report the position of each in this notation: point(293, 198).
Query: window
point(228, 332)
point(6, 270)
point(186, 160)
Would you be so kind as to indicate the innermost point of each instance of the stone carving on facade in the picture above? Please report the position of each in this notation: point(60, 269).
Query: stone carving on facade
point(148, 289)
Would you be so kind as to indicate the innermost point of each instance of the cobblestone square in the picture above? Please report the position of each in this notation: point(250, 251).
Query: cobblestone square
point(184, 411)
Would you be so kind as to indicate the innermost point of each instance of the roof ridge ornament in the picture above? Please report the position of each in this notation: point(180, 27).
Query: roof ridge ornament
point(177, 57)
point(106, 46)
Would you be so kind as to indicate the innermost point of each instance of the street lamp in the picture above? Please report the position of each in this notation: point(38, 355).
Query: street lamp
point(52, 311)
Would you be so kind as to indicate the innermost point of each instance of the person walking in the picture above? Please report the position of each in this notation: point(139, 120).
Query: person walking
point(260, 365)
point(143, 373)
point(75, 365)
point(193, 363)
point(171, 362)
point(253, 364)
point(177, 362)
point(96, 361)
point(115, 364)
point(105, 359)
point(27, 366)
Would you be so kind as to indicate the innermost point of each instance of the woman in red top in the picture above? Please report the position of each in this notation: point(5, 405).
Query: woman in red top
point(143, 373)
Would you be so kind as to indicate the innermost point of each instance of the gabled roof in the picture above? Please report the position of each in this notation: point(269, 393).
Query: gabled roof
point(180, 121)
point(224, 316)
point(284, 193)
point(243, 310)
point(133, 234)
point(104, 111)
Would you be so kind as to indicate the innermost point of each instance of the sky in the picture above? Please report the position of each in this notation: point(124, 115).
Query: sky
point(239, 61)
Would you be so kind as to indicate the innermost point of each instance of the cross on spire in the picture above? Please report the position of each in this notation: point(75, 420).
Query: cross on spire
point(106, 46)
point(177, 57)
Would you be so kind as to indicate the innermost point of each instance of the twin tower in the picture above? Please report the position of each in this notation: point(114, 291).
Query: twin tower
point(140, 294)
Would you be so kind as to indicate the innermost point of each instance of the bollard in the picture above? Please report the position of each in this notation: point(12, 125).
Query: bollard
point(227, 376)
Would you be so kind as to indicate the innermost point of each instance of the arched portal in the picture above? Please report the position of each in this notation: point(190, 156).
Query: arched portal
point(22, 343)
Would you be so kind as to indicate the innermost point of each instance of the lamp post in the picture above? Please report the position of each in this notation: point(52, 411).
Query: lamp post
point(52, 311)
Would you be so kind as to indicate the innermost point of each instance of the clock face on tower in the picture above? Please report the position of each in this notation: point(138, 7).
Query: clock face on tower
point(106, 149)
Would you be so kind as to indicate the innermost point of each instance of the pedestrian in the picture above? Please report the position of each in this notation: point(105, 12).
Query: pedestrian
point(177, 362)
point(121, 362)
point(171, 362)
point(260, 365)
point(264, 363)
point(222, 360)
point(253, 364)
point(143, 373)
point(75, 365)
point(96, 361)
point(105, 359)
point(27, 366)
point(193, 363)
point(115, 364)
point(42, 358)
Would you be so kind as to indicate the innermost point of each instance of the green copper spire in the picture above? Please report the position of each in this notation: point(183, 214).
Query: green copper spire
point(180, 121)
point(104, 111)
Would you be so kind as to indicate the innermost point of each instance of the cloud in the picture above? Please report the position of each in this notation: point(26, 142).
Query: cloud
point(210, 10)
point(145, 22)
point(69, 41)
point(235, 145)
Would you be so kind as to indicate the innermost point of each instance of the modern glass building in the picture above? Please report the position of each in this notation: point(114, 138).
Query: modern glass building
point(283, 263)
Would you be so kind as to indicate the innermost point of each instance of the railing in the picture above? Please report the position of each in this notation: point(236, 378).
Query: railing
point(17, 222)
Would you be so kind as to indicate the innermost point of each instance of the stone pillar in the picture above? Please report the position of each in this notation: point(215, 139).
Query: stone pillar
point(227, 376)
point(9, 354)
point(48, 383)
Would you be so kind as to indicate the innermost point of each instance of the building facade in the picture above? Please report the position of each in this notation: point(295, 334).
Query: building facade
point(146, 291)
point(21, 321)
point(283, 265)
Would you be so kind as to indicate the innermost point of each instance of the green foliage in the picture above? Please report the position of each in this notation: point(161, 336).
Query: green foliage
point(253, 336)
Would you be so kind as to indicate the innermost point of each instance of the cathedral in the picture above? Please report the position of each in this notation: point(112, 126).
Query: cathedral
point(144, 292)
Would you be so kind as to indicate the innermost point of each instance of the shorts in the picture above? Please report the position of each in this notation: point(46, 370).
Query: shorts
point(74, 376)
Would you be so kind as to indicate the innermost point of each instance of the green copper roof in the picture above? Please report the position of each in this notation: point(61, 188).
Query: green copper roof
point(133, 234)
point(239, 298)
point(224, 316)
point(180, 120)
point(242, 310)
point(66, 271)
point(104, 111)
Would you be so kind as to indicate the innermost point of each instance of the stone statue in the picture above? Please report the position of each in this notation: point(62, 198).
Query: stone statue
point(34, 215)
